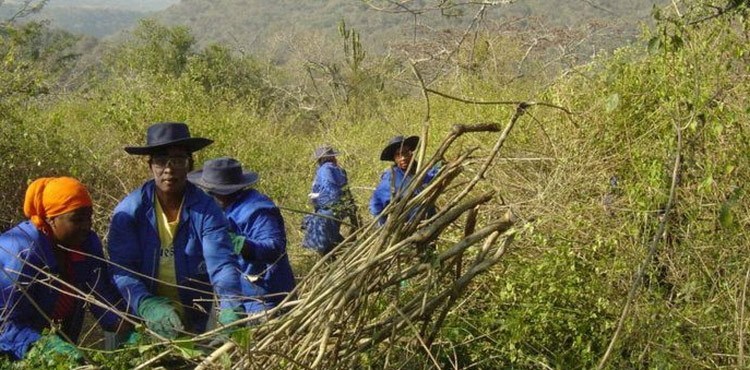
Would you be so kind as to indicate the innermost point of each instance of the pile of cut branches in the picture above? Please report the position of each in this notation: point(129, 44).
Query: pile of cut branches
point(387, 288)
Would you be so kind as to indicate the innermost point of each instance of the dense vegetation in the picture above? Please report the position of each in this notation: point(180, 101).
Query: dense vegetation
point(638, 253)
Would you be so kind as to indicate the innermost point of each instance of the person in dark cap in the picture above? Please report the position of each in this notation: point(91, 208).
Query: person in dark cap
point(168, 241)
point(332, 201)
point(395, 179)
point(257, 231)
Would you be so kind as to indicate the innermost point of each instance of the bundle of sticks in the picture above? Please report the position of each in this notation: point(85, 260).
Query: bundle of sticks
point(392, 285)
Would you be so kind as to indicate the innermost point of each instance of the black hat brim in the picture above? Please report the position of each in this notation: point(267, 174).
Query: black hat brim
point(192, 144)
point(248, 178)
point(389, 151)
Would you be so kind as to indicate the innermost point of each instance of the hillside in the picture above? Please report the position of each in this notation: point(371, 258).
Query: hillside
point(264, 25)
point(268, 27)
point(94, 18)
point(591, 215)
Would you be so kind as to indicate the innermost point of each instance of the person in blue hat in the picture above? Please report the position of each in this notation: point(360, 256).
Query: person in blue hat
point(395, 179)
point(168, 241)
point(332, 201)
point(257, 231)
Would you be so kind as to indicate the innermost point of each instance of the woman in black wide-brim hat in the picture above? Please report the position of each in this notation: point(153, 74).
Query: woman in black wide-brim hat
point(168, 237)
point(257, 231)
point(400, 151)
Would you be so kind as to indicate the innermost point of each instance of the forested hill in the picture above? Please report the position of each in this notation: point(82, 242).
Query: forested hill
point(96, 18)
point(259, 24)
point(268, 25)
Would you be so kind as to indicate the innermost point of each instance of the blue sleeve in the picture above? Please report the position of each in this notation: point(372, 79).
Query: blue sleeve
point(382, 194)
point(126, 255)
point(431, 173)
point(16, 338)
point(327, 186)
point(17, 333)
point(101, 283)
point(221, 261)
point(266, 235)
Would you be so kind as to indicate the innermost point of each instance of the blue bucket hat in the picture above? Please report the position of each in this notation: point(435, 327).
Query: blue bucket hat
point(396, 143)
point(325, 151)
point(161, 135)
point(222, 176)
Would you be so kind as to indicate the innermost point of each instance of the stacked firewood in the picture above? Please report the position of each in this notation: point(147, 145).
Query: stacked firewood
point(388, 286)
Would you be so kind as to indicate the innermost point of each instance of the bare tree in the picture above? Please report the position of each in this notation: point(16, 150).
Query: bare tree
point(26, 8)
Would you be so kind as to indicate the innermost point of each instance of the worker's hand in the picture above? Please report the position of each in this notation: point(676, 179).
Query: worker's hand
point(160, 316)
point(132, 338)
point(238, 242)
point(228, 316)
point(240, 245)
point(52, 346)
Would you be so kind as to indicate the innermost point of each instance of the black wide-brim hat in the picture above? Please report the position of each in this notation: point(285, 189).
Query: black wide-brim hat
point(222, 176)
point(395, 144)
point(162, 135)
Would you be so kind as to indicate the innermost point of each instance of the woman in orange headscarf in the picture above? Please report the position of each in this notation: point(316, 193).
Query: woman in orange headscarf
point(48, 266)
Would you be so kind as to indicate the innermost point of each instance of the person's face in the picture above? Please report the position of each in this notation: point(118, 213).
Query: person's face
point(402, 157)
point(331, 159)
point(72, 228)
point(224, 200)
point(170, 170)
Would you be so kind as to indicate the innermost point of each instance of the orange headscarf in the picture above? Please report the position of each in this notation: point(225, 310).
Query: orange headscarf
point(52, 196)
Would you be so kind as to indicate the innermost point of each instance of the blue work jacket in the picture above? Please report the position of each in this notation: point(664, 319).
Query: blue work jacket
point(25, 254)
point(204, 258)
point(381, 197)
point(267, 275)
point(323, 233)
point(329, 184)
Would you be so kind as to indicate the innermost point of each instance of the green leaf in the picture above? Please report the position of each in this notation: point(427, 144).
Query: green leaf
point(706, 184)
point(613, 101)
point(654, 45)
point(188, 351)
point(726, 217)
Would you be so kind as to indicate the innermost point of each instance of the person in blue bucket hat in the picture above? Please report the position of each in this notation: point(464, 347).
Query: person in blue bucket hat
point(397, 178)
point(169, 244)
point(332, 202)
point(257, 232)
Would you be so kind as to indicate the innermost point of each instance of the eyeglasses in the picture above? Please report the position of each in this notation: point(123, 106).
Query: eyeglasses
point(175, 163)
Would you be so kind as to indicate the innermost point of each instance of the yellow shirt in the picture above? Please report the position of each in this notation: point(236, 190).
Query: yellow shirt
point(167, 272)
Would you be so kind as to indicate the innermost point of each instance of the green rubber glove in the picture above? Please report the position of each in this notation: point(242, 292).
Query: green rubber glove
point(132, 338)
point(228, 316)
point(53, 346)
point(238, 242)
point(160, 316)
point(240, 246)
